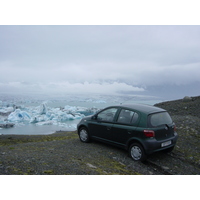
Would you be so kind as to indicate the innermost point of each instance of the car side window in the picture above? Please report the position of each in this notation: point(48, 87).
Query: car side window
point(134, 118)
point(126, 116)
point(107, 115)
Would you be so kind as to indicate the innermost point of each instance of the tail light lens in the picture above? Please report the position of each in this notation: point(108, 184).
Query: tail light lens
point(149, 133)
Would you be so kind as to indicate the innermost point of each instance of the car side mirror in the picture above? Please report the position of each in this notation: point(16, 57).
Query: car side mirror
point(94, 117)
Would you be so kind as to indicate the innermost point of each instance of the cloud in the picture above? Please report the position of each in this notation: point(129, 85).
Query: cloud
point(97, 58)
point(64, 88)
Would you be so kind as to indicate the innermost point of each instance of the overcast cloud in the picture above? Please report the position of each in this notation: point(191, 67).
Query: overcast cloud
point(99, 59)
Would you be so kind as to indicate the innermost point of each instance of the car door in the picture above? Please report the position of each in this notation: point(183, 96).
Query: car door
point(125, 127)
point(102, 124)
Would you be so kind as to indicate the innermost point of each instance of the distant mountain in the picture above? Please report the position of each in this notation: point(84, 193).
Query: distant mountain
point(171, 92)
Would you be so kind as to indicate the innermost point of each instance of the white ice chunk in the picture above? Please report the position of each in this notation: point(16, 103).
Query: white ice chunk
point(70, 108)
point(43, 109)
point(18, 116)
point(5, 110)
point(100, 101)
point(44, 123)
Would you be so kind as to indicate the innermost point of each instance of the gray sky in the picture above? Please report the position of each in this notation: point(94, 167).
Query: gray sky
point(100, 59)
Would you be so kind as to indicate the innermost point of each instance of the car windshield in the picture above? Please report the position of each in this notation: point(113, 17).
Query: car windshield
point(158, 119)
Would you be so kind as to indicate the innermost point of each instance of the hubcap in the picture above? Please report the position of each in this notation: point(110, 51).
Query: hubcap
point(136, 153)
point(83, 135)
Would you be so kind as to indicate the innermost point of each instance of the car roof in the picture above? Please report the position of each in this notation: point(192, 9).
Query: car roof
point(144, 108)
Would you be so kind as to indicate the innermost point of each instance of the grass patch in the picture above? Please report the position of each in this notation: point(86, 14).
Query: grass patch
point(15, 139)
point(49, 172)
point(106, 166)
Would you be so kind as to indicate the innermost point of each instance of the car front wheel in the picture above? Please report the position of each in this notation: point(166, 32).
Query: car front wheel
point(136, 152)
point(84, 135)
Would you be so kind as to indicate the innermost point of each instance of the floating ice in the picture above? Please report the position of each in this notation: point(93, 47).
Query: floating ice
point(43, 109)
point(70, 108)
point(44, 123)
point(100, 101)
point(44, 115)
point(18, 116)
point(6, 110)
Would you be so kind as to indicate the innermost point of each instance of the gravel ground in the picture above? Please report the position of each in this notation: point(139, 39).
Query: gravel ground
point(63, 153)
point(66, 156)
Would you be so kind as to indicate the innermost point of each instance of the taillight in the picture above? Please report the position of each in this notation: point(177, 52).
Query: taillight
point(149, 133)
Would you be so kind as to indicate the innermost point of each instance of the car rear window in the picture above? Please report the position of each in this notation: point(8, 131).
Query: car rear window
point(158, 119)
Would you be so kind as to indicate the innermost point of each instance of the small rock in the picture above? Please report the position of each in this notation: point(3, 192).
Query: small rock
point(7, 125)
point(92, 166)
point(165, 168)
point(187, 98)
point(122, 163)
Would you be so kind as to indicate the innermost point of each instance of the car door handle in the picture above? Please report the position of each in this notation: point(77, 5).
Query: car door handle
point(108, 128)
point(129, 132)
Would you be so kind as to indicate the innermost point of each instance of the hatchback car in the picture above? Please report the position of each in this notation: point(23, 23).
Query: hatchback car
point(140, 129)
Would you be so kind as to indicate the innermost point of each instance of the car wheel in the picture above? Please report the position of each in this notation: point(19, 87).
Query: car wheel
point(84, 135)
point(137, 152)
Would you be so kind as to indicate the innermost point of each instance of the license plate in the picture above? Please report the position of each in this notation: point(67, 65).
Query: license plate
point(164, 144)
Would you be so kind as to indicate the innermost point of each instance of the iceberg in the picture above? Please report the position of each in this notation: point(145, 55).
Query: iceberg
point(41, 116)
point(38, 118)
point(18, 116)
point(6, 110)
point(70, 108)
point(43, 109)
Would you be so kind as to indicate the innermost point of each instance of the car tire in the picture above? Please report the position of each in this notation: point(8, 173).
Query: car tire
point(137, 153)
point(84, 135)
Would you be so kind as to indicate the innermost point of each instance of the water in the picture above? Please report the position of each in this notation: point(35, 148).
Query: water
point(44, 128)
point(32, 129)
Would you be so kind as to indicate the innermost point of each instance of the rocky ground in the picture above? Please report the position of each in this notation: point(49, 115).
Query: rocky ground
point(63, 153)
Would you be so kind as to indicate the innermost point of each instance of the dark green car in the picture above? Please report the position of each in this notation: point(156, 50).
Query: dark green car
point(140, 129)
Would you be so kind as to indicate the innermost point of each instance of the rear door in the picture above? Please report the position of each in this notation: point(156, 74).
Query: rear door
point(162, 125)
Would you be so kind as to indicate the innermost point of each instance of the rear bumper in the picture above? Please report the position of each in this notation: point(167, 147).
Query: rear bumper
point(152, 145)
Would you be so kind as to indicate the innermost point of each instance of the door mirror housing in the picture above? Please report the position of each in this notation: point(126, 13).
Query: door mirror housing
point(94, 117)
